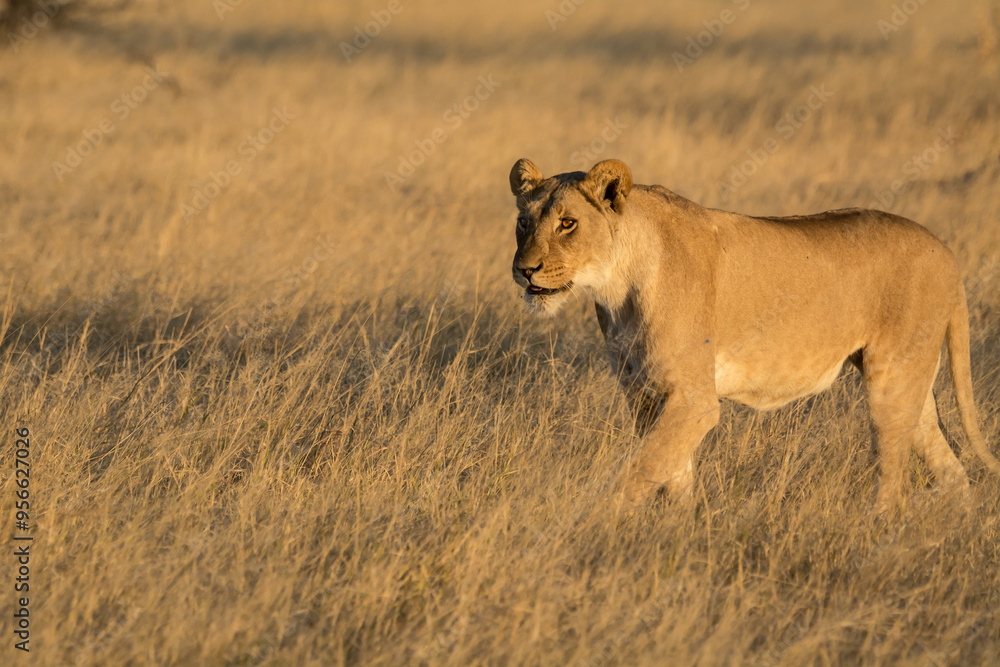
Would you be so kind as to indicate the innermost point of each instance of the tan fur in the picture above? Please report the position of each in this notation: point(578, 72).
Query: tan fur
point(698, 304)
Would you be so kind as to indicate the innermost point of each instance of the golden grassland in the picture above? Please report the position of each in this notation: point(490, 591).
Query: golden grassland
point(310, 422)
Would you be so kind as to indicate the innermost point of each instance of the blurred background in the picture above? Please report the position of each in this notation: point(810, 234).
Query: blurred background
point(567, 76)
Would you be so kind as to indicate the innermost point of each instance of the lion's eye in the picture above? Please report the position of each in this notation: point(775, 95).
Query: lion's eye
point(567, 223)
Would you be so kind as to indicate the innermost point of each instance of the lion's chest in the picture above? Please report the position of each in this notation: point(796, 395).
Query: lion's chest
point(628, 356)
point(626, 347)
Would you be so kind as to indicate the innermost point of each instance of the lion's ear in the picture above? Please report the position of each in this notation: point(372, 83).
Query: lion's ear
point(524, 176)
point(610, 181)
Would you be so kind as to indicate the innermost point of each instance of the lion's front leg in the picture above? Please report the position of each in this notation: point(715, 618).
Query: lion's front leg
point(667, 454)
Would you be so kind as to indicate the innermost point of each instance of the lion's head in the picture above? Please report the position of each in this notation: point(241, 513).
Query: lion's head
point(565, 229)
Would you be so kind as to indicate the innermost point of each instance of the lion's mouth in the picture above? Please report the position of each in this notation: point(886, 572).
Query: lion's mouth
point(535, 290)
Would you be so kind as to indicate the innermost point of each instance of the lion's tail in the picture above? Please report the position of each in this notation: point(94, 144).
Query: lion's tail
point(961, 379)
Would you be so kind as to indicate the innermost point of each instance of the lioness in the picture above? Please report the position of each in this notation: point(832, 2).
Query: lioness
point(698, 304)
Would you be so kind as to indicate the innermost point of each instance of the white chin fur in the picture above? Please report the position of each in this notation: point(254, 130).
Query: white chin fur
point(547, 305)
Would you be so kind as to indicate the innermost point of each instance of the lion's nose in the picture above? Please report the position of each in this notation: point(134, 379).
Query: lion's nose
point(528, 270)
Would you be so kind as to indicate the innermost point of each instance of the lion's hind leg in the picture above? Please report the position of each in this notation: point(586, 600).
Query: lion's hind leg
point(932, 447)
point(897, 385)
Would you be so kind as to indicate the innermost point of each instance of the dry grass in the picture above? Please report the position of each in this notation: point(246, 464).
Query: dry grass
point(248, 450)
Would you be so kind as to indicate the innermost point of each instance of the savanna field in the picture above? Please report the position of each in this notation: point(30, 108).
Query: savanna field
point(285, 404)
